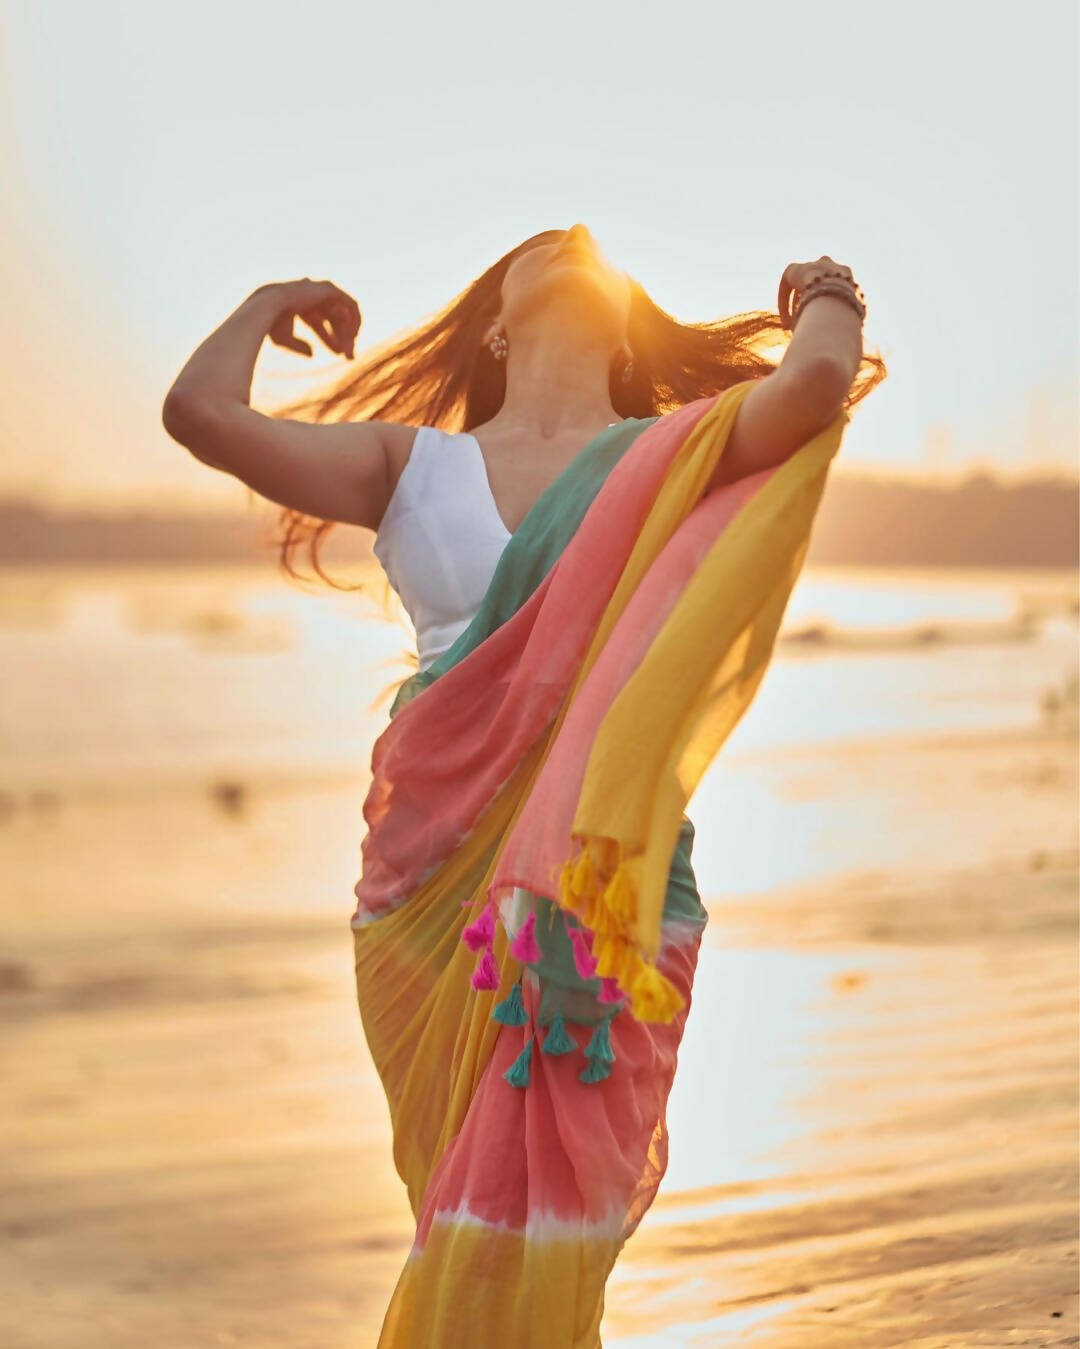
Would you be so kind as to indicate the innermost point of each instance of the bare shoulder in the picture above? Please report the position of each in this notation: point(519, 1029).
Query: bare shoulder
point(778, 416)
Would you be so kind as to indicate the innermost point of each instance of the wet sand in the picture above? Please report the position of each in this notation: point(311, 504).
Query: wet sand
point(873, 1129)
point(925, 1191)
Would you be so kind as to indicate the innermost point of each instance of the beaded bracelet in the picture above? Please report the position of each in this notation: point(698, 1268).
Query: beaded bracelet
point(831, 283)
point(791, 296)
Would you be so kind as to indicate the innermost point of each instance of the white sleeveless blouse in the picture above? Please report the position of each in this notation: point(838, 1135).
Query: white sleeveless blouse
point(441, 537)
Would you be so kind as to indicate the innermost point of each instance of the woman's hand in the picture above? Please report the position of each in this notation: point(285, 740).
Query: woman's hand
point(330, 312)
point(798, 275)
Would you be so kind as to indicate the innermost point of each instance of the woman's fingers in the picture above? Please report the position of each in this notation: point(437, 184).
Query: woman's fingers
point(345, 323)
point(325, 329)
point(330, 312)
point(318, 325)
point(833, 266)
point(282, 335)
point(339, 312)
point(347, 316)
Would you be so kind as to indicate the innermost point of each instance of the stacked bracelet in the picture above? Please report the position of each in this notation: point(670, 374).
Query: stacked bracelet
point(831, 283)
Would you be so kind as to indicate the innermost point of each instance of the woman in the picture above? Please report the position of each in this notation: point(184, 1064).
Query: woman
point(595, 515)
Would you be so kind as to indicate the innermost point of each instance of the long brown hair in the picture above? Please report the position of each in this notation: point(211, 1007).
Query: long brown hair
point(440, 374)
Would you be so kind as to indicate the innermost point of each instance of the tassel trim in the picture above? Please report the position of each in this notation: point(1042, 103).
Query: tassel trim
point(518, 1072)
point(524, 946)
point(598, 888)
point(511, 1011)
point(557, 1041)
point(600, 892)
point(482, 932)
point(610, 992)
point(596, 1071)
point(598, 1053)
point(486, 974)
point(599, 1046)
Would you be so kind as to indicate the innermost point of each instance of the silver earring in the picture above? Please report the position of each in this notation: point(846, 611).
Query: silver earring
point(628, 370)
point(499, 347)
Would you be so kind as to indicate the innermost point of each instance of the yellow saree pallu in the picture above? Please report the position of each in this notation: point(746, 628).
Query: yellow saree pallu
point(527, 922)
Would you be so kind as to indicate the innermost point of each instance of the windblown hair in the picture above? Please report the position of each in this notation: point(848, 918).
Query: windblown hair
point(440, 374)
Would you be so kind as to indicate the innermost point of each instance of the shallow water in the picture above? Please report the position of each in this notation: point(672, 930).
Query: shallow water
point(122, 679)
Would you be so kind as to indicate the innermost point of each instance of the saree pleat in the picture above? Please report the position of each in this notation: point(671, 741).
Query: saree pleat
point(522, 751)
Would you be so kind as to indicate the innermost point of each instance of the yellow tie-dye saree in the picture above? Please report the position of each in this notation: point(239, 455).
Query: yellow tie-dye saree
point(528, 921)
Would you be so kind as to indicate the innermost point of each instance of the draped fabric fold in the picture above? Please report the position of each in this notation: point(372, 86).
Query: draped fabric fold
point(527, 868)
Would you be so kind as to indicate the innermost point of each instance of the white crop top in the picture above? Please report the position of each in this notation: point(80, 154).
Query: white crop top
point(441, 537)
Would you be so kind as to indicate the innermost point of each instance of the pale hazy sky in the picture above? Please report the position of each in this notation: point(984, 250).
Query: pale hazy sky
point(160, 161)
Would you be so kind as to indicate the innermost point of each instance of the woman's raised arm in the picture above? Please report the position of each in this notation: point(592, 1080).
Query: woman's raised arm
point(335, 471)
point(808, 389)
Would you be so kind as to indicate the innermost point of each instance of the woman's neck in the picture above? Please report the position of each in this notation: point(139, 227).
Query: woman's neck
point(555, 388)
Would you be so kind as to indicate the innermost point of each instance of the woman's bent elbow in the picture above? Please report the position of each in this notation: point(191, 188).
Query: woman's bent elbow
point(178, 416)
point(190, 423)
point(187, 419)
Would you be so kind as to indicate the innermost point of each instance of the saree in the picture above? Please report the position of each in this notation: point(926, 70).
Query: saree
point(528, 920)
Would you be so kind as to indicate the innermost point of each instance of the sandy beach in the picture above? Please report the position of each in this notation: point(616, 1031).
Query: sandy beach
point(873, 1125)
point(873, 1129)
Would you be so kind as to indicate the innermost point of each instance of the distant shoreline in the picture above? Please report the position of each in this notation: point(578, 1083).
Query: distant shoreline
point(982, 521)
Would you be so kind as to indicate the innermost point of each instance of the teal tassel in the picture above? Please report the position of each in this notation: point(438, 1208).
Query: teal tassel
point(599, 1048)
point(557, 1041)
point(511, 1011)
point(597, 1070)
point(518, 1072)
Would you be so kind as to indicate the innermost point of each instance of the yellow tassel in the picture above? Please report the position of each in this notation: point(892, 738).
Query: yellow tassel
point(610, 953)
point(584, 905)
point(653, 997)
point(621, 898)
point(608, 911)
point(630, 965)
point(583, 877)
point(602, 921)
point(604, 951)
point(568, 899)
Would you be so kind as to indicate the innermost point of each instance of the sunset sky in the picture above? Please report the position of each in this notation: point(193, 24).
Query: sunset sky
point(160, 162)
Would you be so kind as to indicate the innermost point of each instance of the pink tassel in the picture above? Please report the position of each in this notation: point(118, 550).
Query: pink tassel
point(584, 960)
point(482, 932)
point(486, 974)
point(610, 992)
point(524, 947)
